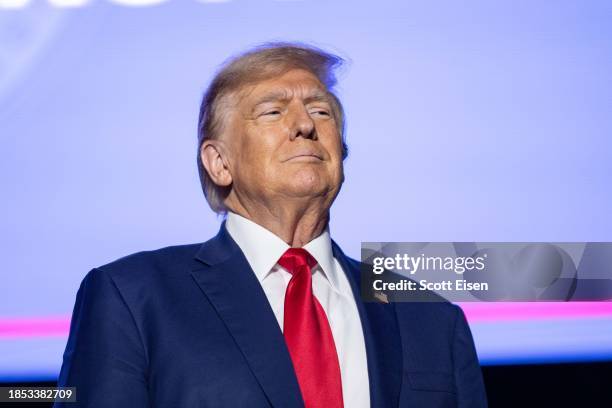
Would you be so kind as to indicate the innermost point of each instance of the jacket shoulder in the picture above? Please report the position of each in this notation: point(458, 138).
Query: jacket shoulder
point(151, 262)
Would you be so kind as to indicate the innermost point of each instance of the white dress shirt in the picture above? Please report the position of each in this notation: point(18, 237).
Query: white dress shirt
point(330, 286)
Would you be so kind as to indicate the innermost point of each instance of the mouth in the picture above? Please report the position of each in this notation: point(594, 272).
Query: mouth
point(314, 157)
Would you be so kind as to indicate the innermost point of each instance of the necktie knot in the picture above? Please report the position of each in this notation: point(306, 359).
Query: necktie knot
point(295, 258)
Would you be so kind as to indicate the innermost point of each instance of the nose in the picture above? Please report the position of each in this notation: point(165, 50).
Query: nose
point(302, 124)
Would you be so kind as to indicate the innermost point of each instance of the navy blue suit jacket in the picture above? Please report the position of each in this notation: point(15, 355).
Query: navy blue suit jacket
point(190, 326)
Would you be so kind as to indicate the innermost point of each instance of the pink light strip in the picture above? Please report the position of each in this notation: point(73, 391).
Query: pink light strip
point(32, 327)
point(504, 311)
point(59, 326)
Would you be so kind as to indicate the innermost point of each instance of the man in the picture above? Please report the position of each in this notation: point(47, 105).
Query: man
point(268, 312)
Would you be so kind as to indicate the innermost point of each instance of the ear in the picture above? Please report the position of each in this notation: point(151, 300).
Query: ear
point(214, 160)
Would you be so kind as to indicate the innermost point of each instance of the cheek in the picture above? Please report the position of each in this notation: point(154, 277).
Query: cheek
point(335, 152)
point(257, 151)
point(333, 145)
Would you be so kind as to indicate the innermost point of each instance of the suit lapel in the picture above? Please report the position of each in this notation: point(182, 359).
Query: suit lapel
point(382, 339)
point(229, 283)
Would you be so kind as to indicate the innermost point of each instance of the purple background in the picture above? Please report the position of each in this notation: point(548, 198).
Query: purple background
point(470, 121)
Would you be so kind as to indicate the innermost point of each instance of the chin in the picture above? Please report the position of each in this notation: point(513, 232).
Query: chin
point(304, 190)
point(308, 181)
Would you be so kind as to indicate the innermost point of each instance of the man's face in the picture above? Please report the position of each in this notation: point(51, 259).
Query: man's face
point(284, 141)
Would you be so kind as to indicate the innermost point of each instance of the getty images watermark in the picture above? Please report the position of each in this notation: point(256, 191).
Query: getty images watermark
point(486, 271)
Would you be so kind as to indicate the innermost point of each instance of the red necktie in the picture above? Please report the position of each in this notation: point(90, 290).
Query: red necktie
point(308, 335)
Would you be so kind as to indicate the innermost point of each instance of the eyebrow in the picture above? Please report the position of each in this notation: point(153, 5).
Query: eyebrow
point(273, 96)
point(318, 96)
point(283, 96)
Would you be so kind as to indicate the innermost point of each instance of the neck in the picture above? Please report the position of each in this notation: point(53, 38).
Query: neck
point(295, 222)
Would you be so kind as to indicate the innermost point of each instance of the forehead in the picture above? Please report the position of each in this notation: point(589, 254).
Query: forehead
point(293, 83)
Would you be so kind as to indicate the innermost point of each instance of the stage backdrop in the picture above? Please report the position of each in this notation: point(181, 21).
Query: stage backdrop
point(467, 121)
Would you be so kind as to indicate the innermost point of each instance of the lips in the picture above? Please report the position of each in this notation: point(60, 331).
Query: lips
point(305, 154)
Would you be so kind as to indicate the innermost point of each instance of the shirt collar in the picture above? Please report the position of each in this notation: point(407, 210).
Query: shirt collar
point(262, 248)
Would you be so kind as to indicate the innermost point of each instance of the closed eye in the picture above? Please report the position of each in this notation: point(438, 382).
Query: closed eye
point(321, 112)
point(272, 112)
